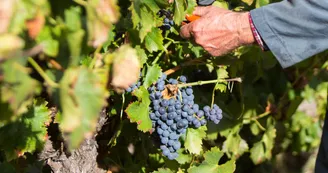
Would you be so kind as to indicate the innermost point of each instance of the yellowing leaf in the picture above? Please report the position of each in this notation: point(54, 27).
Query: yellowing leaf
point(126, 67)
point(194, 138)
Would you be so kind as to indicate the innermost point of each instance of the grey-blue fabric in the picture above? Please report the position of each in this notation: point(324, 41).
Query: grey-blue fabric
point(293, 29)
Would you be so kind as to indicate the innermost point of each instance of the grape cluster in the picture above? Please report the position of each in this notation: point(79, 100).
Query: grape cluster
point(172, 114)
point(168, 22)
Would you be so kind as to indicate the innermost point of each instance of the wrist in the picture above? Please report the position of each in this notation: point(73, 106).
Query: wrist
point(245, 33)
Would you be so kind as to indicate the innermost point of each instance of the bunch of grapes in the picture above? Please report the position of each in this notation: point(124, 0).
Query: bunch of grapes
point(168, 22)
point(173, 110)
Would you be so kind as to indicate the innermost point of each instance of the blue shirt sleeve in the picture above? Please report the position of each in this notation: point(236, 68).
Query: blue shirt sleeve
point(293, 29)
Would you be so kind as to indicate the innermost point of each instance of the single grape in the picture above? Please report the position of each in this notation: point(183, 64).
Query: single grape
point(171, 142)
point(166, 133)
point(153, 116)
point(169, 122)
point(166, 152)
point(159, 130)
point(171, 109)
point(173, 127)
point(157, 114)
point(206, 109)
point(177, 145)
point(164, 126)
point(178, 106)
point(189, 91)
point(203, 122)
point(184, 114)
point(166, 20)
point(171, 102)
point(183, 79)
point(164, 140)
point(158, 94)
point(163, 147)
point(164, 103)
point(174, 82)
point(195, 107)
point(191, 112)
point(162, 110)
point(156, 107)
point(200, 113)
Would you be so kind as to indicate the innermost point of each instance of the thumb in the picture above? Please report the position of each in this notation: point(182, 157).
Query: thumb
point(185, 31)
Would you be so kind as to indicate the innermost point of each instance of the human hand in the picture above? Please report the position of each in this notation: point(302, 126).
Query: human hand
point(219, 31)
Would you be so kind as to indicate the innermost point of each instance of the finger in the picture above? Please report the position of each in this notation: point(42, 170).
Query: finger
point(185, 31)
point(201, 11)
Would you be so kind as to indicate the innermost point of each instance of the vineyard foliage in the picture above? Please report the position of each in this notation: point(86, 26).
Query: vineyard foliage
point(65, 62)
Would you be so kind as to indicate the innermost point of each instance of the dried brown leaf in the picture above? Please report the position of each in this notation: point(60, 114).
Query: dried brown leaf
point(126, 67)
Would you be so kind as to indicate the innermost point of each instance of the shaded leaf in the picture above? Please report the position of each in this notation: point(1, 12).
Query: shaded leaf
point(26, 134)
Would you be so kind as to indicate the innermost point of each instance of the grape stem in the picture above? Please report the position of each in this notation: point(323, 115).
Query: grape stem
point(161, 53)
point(42, 73)
point(238, 79)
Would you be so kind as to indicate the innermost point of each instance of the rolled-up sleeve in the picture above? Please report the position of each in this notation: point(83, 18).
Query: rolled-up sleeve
point(293, 29)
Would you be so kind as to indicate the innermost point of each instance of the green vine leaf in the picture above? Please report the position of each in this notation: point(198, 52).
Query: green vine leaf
point(138, 110)
point(143, 17)
point(179, 11)
point(82, 97)
point(262, 150)
point(210, 164)
point(194, 138)
point(154, 40)
point(26, 134)
point(153, 73)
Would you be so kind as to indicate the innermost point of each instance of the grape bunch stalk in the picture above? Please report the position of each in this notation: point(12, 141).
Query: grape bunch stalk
point(168, 21)
point(173, 110)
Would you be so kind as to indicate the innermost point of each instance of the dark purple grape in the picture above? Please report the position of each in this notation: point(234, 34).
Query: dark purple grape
point(206, 109)
point(200, 113)
point(162, 110)
point(183, 79)
point(189, 91)
point(164, 140)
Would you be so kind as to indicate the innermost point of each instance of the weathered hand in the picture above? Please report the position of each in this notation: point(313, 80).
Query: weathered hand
point(219, 31)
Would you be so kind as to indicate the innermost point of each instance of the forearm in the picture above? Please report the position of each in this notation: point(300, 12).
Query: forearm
point(293, 30)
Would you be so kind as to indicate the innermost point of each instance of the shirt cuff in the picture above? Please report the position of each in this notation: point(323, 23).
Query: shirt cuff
point(256, 35)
